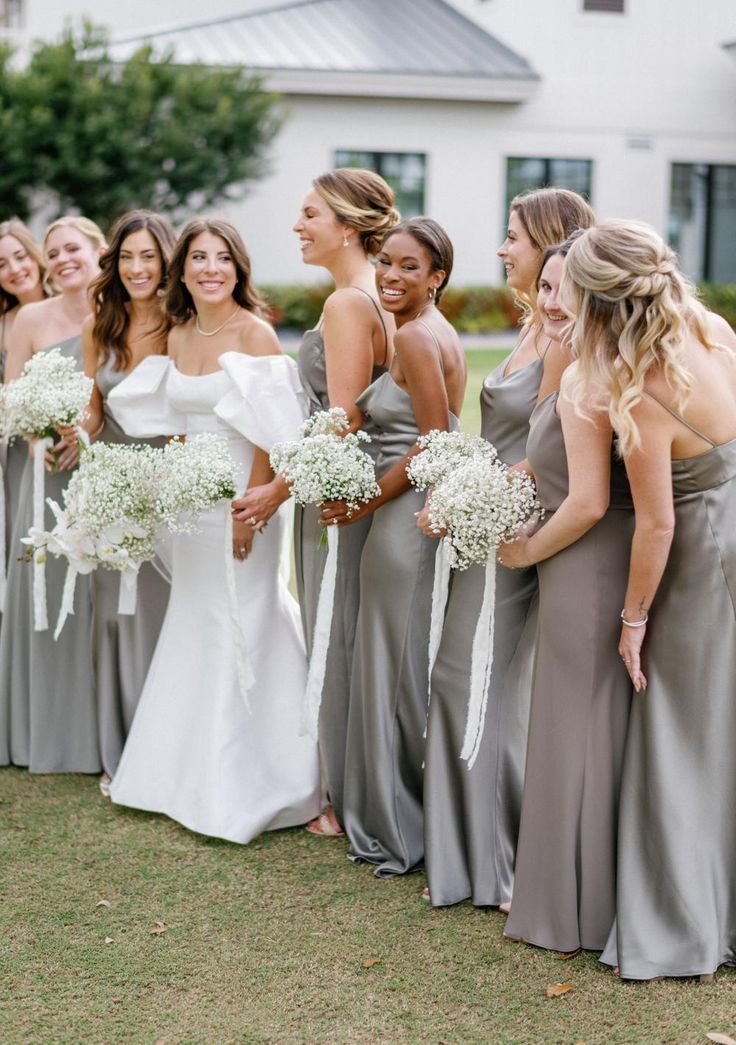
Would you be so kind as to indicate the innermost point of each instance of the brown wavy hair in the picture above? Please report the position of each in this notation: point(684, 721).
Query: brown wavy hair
point(16, 228)
point(179, 302)
point(362, 200)
point(112, 321)
point(549, 217)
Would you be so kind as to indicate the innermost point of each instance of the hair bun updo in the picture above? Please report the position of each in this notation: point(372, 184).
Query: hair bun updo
point(361, 199)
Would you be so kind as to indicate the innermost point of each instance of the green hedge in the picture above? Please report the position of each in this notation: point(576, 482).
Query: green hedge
point(471, 310)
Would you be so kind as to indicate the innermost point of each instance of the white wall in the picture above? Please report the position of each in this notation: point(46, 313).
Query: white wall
point(656, 76)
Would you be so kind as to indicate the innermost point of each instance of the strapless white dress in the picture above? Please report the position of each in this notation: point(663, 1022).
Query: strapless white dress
point(196, 751)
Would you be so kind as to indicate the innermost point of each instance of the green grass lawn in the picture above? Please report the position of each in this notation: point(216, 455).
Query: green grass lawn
point(116, 926)
point(480, 363)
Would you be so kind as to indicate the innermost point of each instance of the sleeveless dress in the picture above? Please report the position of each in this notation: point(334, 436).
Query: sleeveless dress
point(388, 698)
point(310, 556)
point(471, 818)
point(564, 878)
point(48, 711)
point(13, 460)
point(122, 645)
point(196, 751)
point(676, 910)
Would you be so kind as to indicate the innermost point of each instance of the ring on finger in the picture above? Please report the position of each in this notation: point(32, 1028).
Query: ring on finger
point(252, 521)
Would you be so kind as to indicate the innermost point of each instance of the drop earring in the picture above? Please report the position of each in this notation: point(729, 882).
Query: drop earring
point(345, 240)
point(431, 293)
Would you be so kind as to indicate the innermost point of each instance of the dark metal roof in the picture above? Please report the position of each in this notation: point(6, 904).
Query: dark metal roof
point(399, 37)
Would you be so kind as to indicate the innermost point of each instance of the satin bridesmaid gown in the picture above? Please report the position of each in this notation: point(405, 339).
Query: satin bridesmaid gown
point(48, 711)
point(471, 818)
point(676, 889)
point(310, 556)
point(123, 645)
point(388, 698)
point(565, 874)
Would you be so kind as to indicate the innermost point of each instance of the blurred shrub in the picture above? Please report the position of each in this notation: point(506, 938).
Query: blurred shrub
point(471, 310)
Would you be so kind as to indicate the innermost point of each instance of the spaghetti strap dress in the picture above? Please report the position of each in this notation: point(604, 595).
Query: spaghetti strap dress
point(310, 556)
point(388, 699)
point(14, 460)
point(48, 710)
point(564, 878)
point(676, 910)
point(122, 645)
point(471, 818)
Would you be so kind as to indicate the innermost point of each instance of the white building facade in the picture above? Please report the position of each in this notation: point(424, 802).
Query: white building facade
point(630, 101)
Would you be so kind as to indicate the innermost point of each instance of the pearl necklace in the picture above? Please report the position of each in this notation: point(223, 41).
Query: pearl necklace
point(211, 333)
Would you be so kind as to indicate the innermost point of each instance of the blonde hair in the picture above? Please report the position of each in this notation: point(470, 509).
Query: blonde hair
point(549, 217)
point(362, 200)
point(87, 228)
point(634, 311)
point(19, 230)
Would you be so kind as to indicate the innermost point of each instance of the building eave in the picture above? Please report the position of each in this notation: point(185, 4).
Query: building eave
point(398, 85)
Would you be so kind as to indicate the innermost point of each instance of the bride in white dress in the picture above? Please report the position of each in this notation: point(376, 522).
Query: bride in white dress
point(221, 757)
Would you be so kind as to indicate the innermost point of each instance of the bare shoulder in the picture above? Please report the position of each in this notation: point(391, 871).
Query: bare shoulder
point(720, 330)
point(33, 316)
point(176, 338)
point(350, 301)
point(88, 325)
point(256, 337)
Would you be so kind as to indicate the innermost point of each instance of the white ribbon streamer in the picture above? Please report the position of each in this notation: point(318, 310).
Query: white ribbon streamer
point(40, 615)
point(321, 639)
point(67, 599)
point(440, 589)
point(128, 592)
point(242, 661)
point(480, 668)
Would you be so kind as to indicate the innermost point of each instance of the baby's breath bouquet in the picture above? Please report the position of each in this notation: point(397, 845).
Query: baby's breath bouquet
point(442, 453)
point(195, 475)
point(479, 506)
point(327, 462)
point(50, 393)
point(109, 519)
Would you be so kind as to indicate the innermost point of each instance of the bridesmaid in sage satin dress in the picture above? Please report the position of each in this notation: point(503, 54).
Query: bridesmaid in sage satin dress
point(21, 282)
point(676, 892)
point(340, 226)
point(422, 391)
point(471, 818)
point(48, 714)
point(564, 877)
point(128, 325)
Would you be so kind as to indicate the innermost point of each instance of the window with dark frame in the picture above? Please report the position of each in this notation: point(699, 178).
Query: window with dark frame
point(702, 220)
point(405, 172)
point(610, 6)
point(11, 14)
point(533, 172)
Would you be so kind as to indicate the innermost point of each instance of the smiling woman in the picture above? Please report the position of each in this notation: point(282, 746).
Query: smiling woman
point(129, 324)
point(340, 226)
point(48, 717)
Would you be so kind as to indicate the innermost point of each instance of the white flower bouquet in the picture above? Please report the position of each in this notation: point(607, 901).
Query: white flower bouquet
point(50, 393)
point(109, 517)
point(442, 453)
point(195, 475)
point(479, 506)
point(327, 462)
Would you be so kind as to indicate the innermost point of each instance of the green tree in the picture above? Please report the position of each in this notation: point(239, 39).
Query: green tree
point(102, 136)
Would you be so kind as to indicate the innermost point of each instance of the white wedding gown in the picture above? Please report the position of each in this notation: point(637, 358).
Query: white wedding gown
point(197, 751)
